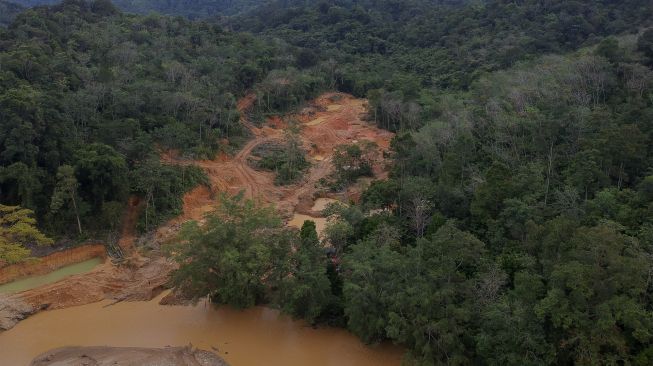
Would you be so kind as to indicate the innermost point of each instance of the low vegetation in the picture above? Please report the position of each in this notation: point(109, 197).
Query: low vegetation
point(287, 160)
point(353, 161)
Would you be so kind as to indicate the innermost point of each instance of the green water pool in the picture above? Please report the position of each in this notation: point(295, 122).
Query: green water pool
point(54, 276)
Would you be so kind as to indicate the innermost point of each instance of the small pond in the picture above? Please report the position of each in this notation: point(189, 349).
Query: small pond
point(54, 276)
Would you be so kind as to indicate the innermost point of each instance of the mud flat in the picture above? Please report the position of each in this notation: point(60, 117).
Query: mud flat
point(178, 356)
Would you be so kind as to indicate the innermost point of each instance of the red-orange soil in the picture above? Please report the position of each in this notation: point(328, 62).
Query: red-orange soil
point(332, 119)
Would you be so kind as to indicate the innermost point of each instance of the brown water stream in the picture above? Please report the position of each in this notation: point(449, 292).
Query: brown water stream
point(258, 336)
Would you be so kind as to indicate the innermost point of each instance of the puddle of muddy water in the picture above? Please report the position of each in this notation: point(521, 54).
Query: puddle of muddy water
point(54, 276)
point(298, 220)
point(258, 336)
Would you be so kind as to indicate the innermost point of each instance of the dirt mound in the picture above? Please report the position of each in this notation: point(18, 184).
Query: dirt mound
point(138, 279)
point(12, 311)
point(91, 356)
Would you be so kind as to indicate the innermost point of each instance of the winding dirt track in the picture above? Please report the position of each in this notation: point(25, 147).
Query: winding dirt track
point(330, 120)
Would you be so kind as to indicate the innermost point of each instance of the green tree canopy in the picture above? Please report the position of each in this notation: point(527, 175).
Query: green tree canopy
point(17, 230)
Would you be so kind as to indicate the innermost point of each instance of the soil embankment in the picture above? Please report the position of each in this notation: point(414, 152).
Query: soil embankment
point(51, 262)
point(137, 279)
point(91, 356)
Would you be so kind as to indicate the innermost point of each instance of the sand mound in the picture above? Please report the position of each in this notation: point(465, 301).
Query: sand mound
point(91, 356)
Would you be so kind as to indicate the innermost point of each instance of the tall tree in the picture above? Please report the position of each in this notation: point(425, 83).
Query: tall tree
point(236, 257)
point(66, 191)
point(306, 291)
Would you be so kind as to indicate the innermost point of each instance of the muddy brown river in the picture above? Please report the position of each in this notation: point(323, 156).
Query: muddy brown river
point(258, 336)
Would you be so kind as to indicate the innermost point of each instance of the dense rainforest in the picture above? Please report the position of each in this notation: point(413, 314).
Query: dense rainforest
point(88, 96)
point(516, 225)
point(192, 9)
point(402, 45)
point(8, 11)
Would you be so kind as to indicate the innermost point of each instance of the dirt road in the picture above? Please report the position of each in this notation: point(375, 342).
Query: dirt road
point(328, 121)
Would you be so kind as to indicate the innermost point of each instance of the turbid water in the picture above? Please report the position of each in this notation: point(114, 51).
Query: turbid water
point(258, 336)
point(298, 220)
point(54, 276)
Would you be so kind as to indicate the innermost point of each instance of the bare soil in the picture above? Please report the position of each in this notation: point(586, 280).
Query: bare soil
point(330, 120)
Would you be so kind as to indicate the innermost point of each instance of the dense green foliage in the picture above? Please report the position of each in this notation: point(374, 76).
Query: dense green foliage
point(17, 232)
point(243, 256)
point(516, 227)
point(161, 188)
point(397, 52)
point(402, 44)
point(33, 3)
point(82, 85)
point(8, 11)
point(192, 9)
point(530, 196)
point(287, 160)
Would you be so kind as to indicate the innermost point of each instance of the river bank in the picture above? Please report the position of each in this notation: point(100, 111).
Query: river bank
point(256, 336)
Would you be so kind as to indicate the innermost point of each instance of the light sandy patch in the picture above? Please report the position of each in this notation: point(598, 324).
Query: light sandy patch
point(317, 121)
point(298, 220)
point(321, 203)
